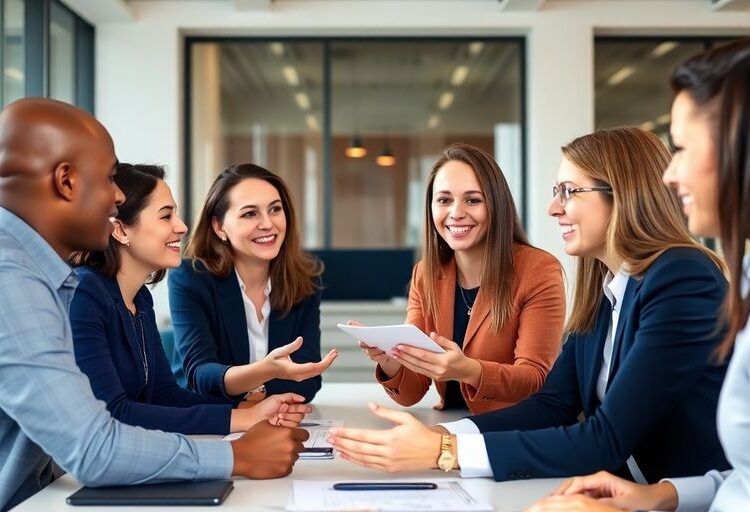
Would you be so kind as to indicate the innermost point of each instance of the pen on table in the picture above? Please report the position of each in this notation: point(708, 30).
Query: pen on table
point(384, 486)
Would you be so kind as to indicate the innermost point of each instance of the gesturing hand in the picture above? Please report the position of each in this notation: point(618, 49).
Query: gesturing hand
point(281, 366)
point(267, 451)
point(450, 365)
point(408, 446)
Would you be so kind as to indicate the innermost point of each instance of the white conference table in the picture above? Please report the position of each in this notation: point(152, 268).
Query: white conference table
point(335, 401)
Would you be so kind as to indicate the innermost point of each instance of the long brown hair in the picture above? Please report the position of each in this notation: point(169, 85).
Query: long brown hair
point(718, 81)
point(504, 229)
point(137, 183)
point(293, 271)
point(646, 218)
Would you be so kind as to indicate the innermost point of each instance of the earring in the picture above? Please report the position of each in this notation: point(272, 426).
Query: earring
point(224, 238)
point(126, 243)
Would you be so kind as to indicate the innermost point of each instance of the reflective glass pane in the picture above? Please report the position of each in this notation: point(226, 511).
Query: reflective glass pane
point(632, 81)
point(260, 103)
point(61, 54)
point(395, 106)
point(13, 50)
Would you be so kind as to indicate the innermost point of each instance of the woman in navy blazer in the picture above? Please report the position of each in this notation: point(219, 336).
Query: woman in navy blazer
point(247, 290)
point(637, 362)
point(115, 336)
point(710, 169)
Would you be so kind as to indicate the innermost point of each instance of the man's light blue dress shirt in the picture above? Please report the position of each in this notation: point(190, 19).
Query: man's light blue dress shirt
point(47, 409)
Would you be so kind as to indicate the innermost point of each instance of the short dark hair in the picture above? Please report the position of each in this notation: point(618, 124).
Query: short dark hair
point(137, 182)
point(718, 81)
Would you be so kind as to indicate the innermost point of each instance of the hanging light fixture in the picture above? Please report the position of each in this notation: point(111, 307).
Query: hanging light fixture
point(386, 158)
point(355, 149)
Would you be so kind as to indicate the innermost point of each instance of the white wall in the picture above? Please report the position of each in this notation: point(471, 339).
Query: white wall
point(139, 82)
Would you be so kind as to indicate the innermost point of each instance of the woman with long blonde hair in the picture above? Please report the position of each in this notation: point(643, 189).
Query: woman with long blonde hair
point(636, 364)
point(711, 171)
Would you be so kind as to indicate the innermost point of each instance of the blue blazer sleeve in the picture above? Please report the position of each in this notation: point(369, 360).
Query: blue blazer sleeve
point(671, 348)
point(194, 342)
point(558, 402)
point(309, 352)
point(168, 392)
point(93, 324)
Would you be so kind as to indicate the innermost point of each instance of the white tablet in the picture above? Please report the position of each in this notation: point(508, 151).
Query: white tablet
point(386, 337)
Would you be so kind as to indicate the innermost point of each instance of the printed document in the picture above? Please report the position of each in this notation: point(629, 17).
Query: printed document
point(310, 495)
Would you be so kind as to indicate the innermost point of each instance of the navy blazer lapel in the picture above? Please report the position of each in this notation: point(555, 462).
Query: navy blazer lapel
point(279, 330)
point(628, 300)
point(594, 346)
point(232, 308)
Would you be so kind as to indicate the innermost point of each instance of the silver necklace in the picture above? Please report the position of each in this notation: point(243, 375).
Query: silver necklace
point(144, 357)
point(468, 306)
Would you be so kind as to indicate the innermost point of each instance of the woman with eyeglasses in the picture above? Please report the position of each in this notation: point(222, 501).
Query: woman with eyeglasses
point(492, 301)
point(711, 171)
point(637, 361)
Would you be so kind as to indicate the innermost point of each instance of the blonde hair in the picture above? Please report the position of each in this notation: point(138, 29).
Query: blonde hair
point(646, 217)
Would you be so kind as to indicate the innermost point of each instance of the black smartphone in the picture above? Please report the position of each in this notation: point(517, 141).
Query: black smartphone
point(319, 449)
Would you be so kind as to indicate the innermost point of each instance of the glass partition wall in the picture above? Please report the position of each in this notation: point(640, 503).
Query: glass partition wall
point(353, 126)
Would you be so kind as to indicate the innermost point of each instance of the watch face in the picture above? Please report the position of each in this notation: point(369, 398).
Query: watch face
point(446, 460)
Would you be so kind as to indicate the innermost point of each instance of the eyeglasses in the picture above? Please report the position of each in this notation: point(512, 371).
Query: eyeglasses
point(564, 193)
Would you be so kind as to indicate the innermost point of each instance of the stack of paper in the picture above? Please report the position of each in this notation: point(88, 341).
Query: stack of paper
point(308, 496)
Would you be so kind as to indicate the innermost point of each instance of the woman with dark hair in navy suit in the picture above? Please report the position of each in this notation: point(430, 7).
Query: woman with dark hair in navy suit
point(246, 291)
point(116, 341)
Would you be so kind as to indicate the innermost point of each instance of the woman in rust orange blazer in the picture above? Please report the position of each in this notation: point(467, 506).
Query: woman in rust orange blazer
point(491, 300)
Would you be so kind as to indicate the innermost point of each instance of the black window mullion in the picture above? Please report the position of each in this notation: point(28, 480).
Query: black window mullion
point(36, 42)
point(84, 65)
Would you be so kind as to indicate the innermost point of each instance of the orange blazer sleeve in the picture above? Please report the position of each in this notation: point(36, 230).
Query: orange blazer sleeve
point(408, 387)
point(536, 334)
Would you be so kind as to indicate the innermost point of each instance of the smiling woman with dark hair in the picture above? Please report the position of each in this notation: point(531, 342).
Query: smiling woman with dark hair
point(246, 302)
point(495, 303)
point(115, 335)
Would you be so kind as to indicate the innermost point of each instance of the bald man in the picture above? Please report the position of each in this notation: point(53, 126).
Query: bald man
point(56, 195)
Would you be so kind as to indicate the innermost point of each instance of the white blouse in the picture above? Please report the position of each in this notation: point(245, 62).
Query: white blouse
point(257, 330)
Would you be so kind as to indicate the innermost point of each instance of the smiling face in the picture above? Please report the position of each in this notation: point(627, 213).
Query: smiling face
point(255, 223)
point(155, 238)
point(693, 170)
point(459, 210)
point(585, 217)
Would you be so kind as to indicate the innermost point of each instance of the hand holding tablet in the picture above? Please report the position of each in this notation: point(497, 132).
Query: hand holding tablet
point(387, 337)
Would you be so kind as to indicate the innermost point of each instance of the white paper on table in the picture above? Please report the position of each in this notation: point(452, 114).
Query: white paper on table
point(318, 430)
point(386, 337)
point(311, 495)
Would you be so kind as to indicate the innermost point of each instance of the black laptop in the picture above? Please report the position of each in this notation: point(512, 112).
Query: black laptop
point(212, 492)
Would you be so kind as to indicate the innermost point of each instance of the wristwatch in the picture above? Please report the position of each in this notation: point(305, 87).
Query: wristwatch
point(447, 459)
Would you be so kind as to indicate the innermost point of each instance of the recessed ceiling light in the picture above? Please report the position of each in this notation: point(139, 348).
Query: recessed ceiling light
point(446, 100)
point(290, 75)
